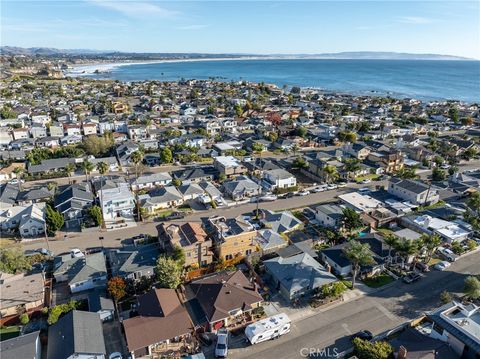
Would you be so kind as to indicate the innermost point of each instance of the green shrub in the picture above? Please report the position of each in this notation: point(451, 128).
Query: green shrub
point(24, 319)
point(364, 349)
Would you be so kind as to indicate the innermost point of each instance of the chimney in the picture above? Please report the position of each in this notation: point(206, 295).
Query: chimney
point(402, 353)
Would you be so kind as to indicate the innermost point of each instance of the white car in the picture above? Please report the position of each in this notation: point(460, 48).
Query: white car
point(15, 181)
point(441, 265)
point(221, 348)
point(332, 186)
point(447, 253)
point(303, 193)
point(366, 181)
point(76, 253)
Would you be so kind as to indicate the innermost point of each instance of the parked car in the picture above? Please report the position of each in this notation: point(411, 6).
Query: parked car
point(15, 181)
point(447, 254)
point(442, 265)
point(318, 189)
point(411, 277)
point(364, 190)
point(332, 186)
point(290, 195)
point(115, 355)
point(221, 348)
point(303, 192)
point(422, 266)
point(44, 251)
point(76, 253)
point(363, 334)
point(366, 181)
point(175, 215)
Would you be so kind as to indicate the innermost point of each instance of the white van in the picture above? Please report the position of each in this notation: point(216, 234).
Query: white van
point(269, 328)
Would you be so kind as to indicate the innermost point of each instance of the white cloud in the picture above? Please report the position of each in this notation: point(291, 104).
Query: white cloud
point(135, 8)
point(193, 27)
point(414, 20)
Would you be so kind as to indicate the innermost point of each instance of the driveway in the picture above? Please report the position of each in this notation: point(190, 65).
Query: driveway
point(114, 338)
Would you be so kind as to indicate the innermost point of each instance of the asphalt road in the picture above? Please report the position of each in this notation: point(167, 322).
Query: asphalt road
point(378, 312)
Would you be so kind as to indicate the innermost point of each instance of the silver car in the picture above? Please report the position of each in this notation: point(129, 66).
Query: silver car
point(221, 348)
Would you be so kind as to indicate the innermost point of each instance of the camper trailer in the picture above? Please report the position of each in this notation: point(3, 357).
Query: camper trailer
point(269, 328)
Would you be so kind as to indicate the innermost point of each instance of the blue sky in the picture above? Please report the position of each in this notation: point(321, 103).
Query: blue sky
point(435, 26)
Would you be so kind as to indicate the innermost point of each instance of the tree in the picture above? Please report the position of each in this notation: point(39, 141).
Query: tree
point(351, 219)
point(18, 175)
point(466, 121)
point(358, 254)
point(453, 114)
point(55, 312)
point(168, 272)
point(7, 113)
point(102, 168)
point(272, 136)
point(347, 136)
point(430, 243)
point(365, 349)
point(136, 158)
point(166, 155)
point(299, 162)
point(470, 153)
point(13, 261)
point(391, 240)
point(70, 168)
point(333, 290)
point(87, 168)
point(445, 297)
point(330, 173)
point(352, 165)
point(472, 287)
point(179, 255)
point(407, 173)
point(117, 288)
point(438, 174)
point(295, 149)
point(54, 220)
point(301, 131)
point(24, 319)
point(274, 118)
point(98, 145)
point(176, 182)
point(257, 148)
point(95, 212)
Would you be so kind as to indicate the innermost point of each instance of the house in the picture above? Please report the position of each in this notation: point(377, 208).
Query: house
point(232, 237)
point(192, 239)
point(360, 202)
point(99, 303)
point(161, 198)
point(191, 191)
point(340, 264)
point(21, 290)
point(23, 346)
point(414, 192)
point(389, 161)
point(71, 140)
point(195, 175)
point(229, 166)
point(269, 241)
point(77, 334)
point(124, 151)
point(116, 201)
point(50, 142)
point(28, 220)
point(449, 231)
point(222, 300)
point(72, 202)
point(162, 324)
point(240, 188)
point(133, 262)
point(111, 162)
point(8, 172)
point(280, 222)
point(34, 195)
point(151, 181)
point(458, 325)
point(82, 273)
point(38, 131)
point(297, 275)
point(89, 128)
point(329, 215)
point(52, 165)
point(20, 133)
point(152, 159)
point(8, 195)
point(356, 150)
point(278, 178)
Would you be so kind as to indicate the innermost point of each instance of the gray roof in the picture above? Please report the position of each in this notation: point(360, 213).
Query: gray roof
point(298, 272)
point(81, 269)
point(240, 184)
point(98, 301)
point(330, 209)
point(77, 332)
point(24, 346)
point(165, 194)
point(280, 222)
point(48, 165)
point(412, 186)
point(190, 189)
point(151, 178)
point(127, 261)
point(35, 194)
point(268, 239)
point(280, 173)
point(9, 193)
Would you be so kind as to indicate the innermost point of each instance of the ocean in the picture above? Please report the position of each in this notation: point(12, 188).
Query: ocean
point(427, 80)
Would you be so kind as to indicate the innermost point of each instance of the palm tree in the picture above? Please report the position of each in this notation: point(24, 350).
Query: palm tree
point(472, 287)
point(136, 158)
point(87, 168)
point(18, 175)
point(70, 168)
point(330, 172)
point(358, 254)
point(407, 248)
point(103, 169)
point(295, 149)
point(430, 243)
point(391, 240)
point(351, 166)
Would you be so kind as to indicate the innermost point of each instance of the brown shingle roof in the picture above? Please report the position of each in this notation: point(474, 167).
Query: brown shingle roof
point(162, 317)
point(223, 292)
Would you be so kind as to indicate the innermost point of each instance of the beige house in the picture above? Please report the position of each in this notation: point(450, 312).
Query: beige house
point(233, 237)
point(192, 239)
point(20, 290)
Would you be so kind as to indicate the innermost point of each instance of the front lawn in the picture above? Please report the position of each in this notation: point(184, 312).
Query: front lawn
point(9, 332)
point(378, 281)
point(371, 177)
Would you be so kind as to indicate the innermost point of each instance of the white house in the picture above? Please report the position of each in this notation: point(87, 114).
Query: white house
point(278, 178)
point(414, 192)
point(117, 202)
point(151, 181)
point(28, 220)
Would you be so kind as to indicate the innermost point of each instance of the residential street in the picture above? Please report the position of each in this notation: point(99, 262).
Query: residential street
point(377, 312)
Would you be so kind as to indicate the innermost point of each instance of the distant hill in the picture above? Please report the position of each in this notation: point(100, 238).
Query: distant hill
point(370, 55)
